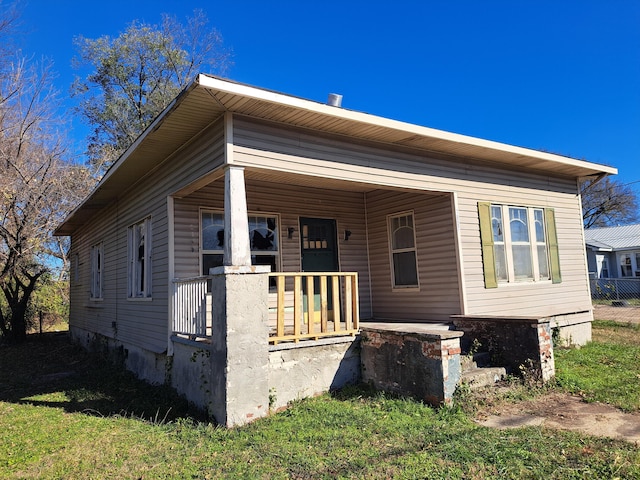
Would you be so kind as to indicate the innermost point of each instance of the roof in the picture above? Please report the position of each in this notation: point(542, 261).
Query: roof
point(613, 238)
point(208, 98)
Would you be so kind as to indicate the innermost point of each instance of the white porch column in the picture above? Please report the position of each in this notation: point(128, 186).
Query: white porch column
point(237, 249)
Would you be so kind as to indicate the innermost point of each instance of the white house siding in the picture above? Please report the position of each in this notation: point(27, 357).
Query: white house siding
point(140, 323)
point(269, 146)
point(290, 202)
point(438, 296)
point(540, 298)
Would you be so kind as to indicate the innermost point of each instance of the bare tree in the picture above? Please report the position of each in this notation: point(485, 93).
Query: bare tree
point(136, 75)
point(38, 187)
point(607, 203)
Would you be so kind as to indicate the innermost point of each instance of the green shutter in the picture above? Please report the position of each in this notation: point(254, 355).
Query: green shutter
point(552, 241)
point(486, 238)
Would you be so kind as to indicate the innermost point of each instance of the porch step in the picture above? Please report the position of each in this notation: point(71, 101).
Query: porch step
point(478, 359)
point(479, 377)
point(477, 371)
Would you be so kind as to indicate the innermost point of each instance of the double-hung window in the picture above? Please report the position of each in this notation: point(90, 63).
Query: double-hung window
point(263, 236)
point(402, 242)
point(519, 244)
point(139, 259)
point(97, 271)
point(630, 264)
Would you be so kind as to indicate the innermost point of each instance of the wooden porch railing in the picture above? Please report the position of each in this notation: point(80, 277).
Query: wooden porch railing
point(191, 307)
point(332, 310)
point(313, 305)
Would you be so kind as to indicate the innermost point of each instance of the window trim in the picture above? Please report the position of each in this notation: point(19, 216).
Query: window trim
point(272, 253)
point(488, 247)
point(414, 249)
point(96, 260)
point(132, 263)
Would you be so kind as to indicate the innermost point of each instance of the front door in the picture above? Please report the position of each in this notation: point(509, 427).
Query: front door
point(319, 247)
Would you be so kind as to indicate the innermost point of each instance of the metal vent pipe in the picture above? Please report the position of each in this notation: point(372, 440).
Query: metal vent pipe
point(335, 100)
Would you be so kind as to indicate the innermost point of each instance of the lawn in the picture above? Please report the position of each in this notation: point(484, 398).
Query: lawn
point(606, 370)
point(65, 414)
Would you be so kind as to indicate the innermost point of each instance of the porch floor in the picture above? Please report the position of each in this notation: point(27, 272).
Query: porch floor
point(407, 327)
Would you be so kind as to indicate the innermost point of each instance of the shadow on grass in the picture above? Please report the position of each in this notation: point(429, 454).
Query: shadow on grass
point(49, 370)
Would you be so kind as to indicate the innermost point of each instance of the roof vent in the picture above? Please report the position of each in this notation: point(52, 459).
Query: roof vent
point(335, 100)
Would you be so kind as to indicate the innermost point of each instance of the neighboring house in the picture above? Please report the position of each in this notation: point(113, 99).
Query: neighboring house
point(613, 259)
point(613, 252)
point(358, 218)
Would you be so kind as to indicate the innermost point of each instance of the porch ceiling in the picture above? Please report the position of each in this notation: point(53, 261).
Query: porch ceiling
point(208, 98)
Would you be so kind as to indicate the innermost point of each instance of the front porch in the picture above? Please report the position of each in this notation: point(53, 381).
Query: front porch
point(265, 327)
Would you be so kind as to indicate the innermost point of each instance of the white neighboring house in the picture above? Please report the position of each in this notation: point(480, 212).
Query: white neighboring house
point(613, 252)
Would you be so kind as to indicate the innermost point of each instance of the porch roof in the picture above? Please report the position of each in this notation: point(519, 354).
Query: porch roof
point(208, 98)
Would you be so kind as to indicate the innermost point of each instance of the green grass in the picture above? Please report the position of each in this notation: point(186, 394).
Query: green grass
point(607, 369)
point(65, 415)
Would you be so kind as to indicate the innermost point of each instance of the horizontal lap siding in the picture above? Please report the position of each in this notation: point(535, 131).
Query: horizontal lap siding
point(438, 296)
point(539, 298)
point(290, 202)
point(140, 323)
point(85, 313)
point(268, 146)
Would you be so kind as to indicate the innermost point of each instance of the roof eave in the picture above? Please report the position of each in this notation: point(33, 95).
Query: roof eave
point(104, 192)
point(583, 168)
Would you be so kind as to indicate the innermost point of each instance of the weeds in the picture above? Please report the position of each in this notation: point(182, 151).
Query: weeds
point(353, 433)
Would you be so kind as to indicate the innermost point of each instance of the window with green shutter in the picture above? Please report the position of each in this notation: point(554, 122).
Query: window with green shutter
point(519, 244)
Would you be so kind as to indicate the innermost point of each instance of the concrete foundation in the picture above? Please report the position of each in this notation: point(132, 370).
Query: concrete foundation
point(146, 365)
point(412, 361)
point(573, 329)
point(191, 371)
point(306, 369)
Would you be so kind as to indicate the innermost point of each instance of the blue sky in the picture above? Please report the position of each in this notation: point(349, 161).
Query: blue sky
point(560, 76)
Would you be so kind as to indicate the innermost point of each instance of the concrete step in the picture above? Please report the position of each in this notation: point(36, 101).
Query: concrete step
point(478, 359)
point(483, 376)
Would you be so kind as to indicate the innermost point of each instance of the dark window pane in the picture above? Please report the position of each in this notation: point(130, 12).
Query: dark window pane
point(210, 261)
point(405, 270)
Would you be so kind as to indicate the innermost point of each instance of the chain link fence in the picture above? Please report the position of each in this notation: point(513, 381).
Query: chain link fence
point(616, 290)
point(616, 299)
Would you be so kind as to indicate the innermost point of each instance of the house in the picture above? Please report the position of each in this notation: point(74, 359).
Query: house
point(239, 248)
point(613, 259)
point(613, 252)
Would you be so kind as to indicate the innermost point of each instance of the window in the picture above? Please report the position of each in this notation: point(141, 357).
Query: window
point(630, 264)
point(139, 259)
point(96, 271)
point(518, 244)
point(604, 268)
point(402, 241)
point(263, 237)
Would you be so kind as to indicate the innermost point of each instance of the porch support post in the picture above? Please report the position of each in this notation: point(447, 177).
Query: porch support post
point(237, 250)
point(239, 388)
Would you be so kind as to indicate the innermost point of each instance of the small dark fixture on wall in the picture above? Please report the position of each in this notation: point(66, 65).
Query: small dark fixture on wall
point(290, 231)
point(347, 234)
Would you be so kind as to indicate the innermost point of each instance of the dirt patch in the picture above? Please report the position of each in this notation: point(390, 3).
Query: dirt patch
point(566, 412)
point(627, 314)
